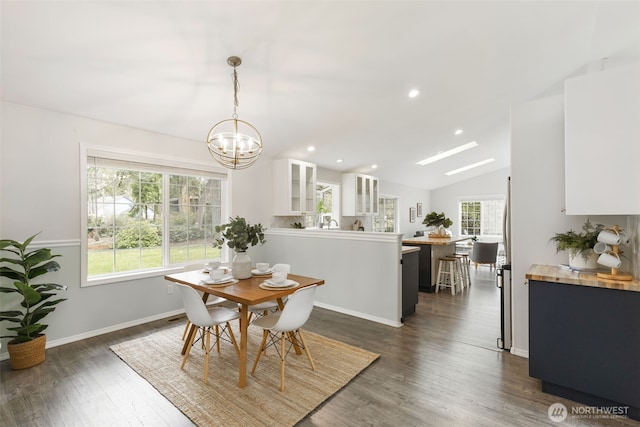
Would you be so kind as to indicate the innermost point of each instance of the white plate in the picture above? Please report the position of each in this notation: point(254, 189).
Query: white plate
point(257, 272)
point(286, 284)
point(223, 279)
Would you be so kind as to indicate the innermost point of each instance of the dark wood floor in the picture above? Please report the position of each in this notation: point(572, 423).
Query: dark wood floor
point(440, 369)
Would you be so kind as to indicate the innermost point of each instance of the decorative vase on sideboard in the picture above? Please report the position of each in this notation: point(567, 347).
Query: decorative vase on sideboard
point(241, 266)
point(579, 261)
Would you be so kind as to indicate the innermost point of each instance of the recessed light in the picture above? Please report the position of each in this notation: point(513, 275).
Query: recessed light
point(458, 132)
point(311, 148)
point(374, 166)
point(471, 166)
point(448, 153)
point(339, 161)
point(413, 93)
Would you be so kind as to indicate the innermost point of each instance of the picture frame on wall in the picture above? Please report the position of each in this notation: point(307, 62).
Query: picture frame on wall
point(412, 214)
point(419, 209)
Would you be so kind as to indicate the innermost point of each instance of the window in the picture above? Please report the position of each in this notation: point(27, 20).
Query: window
point(144, 217)
point(385, 221)
point(327, 206)
point(481, 217)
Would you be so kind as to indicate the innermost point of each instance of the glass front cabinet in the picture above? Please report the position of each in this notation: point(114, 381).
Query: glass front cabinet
point(294, 187)
point(359, 194)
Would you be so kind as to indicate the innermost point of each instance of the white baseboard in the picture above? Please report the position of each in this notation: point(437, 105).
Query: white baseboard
point(358, 314)
point(96, 332)
point(520, 352)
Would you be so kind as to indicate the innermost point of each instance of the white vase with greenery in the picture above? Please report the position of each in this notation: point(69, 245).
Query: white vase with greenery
point(239, 235)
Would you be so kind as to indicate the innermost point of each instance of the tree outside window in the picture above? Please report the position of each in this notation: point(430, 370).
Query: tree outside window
point(141, 220)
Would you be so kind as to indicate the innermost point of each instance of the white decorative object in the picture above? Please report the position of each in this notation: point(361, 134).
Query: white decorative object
point(580, 262)
point(241, 266)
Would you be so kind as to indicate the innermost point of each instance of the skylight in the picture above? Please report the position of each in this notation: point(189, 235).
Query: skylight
point(448, 153)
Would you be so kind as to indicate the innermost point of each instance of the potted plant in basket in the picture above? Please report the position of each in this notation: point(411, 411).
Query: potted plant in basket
point(27, 348)
point(440, 222)
point(580, 245)
point(239, 235)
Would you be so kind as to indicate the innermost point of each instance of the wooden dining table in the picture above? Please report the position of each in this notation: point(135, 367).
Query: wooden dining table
point(246, 292)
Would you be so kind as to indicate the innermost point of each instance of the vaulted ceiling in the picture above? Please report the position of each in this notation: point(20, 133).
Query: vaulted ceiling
point(332, 74)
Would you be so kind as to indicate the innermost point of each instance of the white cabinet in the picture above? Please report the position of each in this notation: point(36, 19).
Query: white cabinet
point(359, 195)
point(602, 143)
point(294, 187)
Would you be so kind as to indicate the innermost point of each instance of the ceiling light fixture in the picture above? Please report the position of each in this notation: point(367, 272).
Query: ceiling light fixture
point(448, 153)
point(458, 132)
point(374, 166)
point(339, 161)
point(471, 166)
point(234, 143)
point(413, 93)
point(311, 148)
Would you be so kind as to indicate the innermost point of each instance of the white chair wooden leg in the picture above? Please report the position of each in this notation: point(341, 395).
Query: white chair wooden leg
point(186, 354)
point(233, 339)
point(186, 329)
point(265, 334)
point(207, 350)
point(306, 350)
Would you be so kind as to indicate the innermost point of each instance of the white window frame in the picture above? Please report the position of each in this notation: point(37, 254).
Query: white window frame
point(396, 222)
point(483, 198)
point(164, 164)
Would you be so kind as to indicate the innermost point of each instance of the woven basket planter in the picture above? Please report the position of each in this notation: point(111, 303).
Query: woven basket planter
point(27, 354)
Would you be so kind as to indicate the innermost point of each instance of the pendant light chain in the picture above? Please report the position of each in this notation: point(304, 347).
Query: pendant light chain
point(235, 93)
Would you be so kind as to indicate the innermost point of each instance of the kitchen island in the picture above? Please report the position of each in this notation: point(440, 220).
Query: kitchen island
point(584, 338)
point(432, 249)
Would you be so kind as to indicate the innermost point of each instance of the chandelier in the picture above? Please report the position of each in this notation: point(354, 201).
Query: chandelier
point(234, 143)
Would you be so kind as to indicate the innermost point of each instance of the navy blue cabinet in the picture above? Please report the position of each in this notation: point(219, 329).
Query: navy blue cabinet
point(584, 343)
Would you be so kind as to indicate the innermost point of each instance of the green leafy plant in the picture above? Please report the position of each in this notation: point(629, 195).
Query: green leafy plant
point(297, 225)
point(22, 267)
point(436, 219)
point(578, 243)
point(239, 234)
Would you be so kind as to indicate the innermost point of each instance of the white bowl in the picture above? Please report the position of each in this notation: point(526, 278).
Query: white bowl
point(216, 274)
point(279, 277)
point(262, 266)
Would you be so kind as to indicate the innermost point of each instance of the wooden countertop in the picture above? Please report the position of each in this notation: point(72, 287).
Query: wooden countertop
point(555, 274)
point(426, 240)
point(409, 249)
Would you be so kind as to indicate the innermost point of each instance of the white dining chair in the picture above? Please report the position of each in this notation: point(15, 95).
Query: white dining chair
point(212, 300)
point(285, 326)
point(266, 307)
point(205, 319)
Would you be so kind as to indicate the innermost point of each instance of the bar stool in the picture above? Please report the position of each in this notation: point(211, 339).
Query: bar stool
point(464, 268)
point(447, 274)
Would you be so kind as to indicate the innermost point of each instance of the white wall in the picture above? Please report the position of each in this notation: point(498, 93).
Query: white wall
point(40, 190)
point(40, 176)
point(446, 199)
point(537, 179)
point(362, 271)
point(408, 197)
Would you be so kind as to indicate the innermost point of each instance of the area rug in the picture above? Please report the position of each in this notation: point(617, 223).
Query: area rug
point(221, 402)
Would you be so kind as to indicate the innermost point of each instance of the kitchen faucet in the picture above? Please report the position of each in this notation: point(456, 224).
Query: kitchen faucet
point(333, 220)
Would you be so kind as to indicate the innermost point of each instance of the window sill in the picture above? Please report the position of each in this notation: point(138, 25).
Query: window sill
point(127, 277)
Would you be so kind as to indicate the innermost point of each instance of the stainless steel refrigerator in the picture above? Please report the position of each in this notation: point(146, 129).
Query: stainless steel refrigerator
point(503, 278)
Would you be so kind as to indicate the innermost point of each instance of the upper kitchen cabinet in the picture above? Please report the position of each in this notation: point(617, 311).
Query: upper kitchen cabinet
point(359, 195)
point(294, 187)
point(602, 143)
